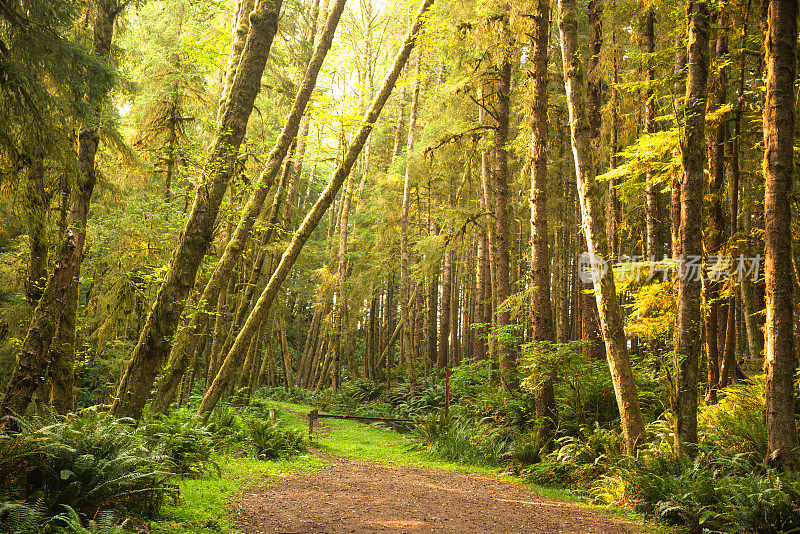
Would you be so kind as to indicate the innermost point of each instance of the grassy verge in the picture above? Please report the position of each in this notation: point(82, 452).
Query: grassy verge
point(202, 507)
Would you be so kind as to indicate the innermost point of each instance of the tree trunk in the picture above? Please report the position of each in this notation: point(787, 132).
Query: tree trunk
point(689, 332)
point(591, 214)
point(312, 219)
point(444, 315)
point(590, 329)
point(57, 306)
point(507, 355)
point(241, 28)
point(780, 44)
point(254, 204)
point(405, 282)
point(715, 236)
point(37, 202)
point(542, 310)
point(156, 337)
point(653, 240)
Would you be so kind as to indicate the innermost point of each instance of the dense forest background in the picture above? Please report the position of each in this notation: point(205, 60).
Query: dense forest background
point(586, 213)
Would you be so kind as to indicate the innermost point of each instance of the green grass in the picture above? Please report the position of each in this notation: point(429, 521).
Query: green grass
point(202, 506)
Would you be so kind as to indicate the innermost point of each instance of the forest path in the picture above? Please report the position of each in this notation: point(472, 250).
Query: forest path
point(353, 496)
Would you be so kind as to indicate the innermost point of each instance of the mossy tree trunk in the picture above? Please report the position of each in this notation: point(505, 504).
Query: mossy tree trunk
point(594, 228)
point(155, 340)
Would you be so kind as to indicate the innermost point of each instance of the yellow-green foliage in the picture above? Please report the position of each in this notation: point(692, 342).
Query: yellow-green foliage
point(653, 310)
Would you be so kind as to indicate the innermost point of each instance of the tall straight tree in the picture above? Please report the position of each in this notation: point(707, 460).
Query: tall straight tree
point(156, 337)
point(688, 328)
point(405, 281)
point(653, 233)
point(611, 324)
point(542, 312)
point(594, 95)
point(290, 255)
point(502, 286)
point(780, 44)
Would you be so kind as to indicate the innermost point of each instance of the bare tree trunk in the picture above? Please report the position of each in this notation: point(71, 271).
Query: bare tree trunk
point(780, 44)
point(689, 333)
point(311, 220)
point(405, 282)
point(590, 328)
point(444, 315)
point(591, 214)
point(715, 237)
point(650, 110)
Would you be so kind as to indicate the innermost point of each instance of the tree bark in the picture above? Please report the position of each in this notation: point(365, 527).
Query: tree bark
point(591, 215)
point(507, 351)
point(590, 330)
point(689, 332)
point(715, 236)
point(542, 309)
point(780, 44)
point(651, 190)
point(36, 200)
point(405, 282)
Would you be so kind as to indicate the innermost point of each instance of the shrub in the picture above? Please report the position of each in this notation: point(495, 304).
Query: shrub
point(184, 439)
point(692, 493)
point(579, 459)
point(270, 442)
point(736, 424)
point(90, 463)
point(21, 518)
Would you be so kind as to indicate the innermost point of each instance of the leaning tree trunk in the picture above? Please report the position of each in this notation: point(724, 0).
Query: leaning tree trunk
point(156, 338)
point(312, 219)
point(233, 250)
point(542, 310)
point(689, 334)
point(591, 214)
point(780, 44)
point(58, 304)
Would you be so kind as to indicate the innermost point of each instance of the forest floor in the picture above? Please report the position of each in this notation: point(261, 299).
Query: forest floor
point(371, 483)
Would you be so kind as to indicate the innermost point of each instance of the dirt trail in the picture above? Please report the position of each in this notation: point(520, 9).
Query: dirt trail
point(349, 496)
